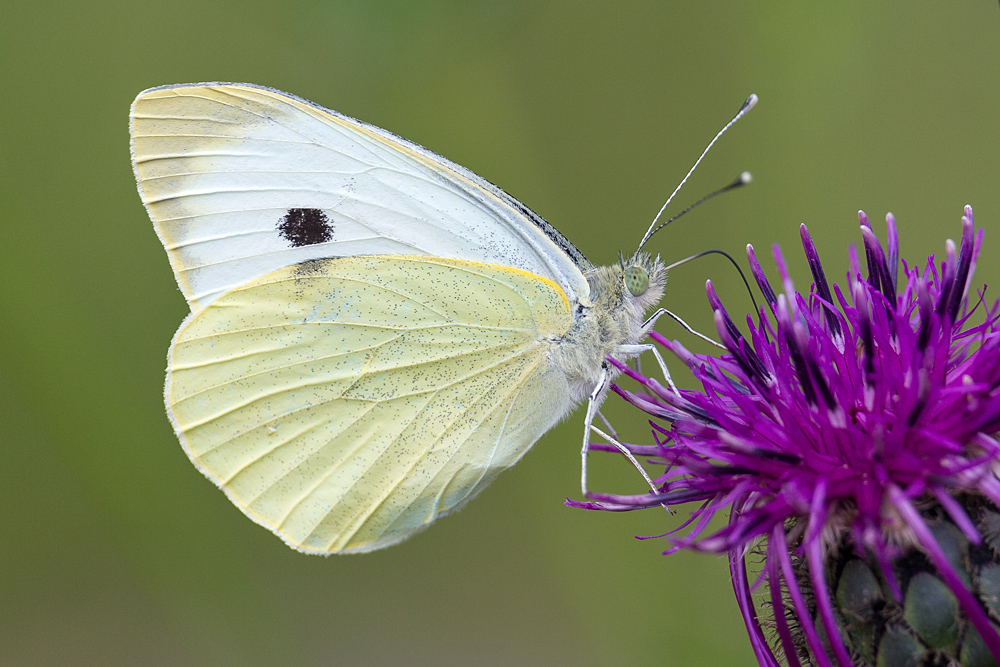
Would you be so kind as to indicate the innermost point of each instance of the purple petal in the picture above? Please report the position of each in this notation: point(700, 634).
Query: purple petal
point(893, 244)
point(819, 277)
point(758, 274)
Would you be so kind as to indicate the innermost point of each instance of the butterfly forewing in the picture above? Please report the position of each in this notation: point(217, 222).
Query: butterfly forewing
point(242, 180)
point(347, 403)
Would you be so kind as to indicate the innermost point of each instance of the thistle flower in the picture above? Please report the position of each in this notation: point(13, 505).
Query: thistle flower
point(850, 437)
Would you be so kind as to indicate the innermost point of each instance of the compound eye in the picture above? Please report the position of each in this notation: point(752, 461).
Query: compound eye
point(637, 280)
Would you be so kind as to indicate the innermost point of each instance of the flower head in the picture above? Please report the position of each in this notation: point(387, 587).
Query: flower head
point(848, 425)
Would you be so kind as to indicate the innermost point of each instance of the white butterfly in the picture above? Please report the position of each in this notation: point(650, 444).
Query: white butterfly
point(375, 331)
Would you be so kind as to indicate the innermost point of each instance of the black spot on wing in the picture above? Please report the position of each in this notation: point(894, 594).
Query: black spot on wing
point(305, 226)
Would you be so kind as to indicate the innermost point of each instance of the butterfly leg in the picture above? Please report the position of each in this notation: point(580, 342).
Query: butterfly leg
point(607, 424)
point(636, 350)
point(593, 403)
point(647, 326)
point(595, 396)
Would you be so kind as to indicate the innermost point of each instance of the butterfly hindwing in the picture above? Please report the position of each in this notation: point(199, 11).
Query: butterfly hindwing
point(242, 180)
point(347, 403)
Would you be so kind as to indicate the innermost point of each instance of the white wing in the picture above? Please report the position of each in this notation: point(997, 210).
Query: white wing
point(241, 180)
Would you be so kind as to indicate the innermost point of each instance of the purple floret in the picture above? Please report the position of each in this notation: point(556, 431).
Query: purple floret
point(839, 412)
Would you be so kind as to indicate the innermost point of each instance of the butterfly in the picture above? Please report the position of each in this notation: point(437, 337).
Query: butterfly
point(375, 331)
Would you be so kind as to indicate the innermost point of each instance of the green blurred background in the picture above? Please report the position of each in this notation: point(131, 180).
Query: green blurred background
point(117, 552)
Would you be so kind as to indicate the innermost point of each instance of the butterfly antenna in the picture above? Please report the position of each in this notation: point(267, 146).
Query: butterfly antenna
point(731, 261)
point(743, 179)
point(749, 104)
point(687, 327)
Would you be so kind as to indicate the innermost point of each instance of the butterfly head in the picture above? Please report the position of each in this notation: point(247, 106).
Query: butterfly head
point(612, 316)
point(644, 278)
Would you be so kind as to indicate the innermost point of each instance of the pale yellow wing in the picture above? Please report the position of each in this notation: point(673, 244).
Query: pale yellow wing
point(347, 403)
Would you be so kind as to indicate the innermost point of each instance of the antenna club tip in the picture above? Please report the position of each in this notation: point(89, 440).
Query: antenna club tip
point(745, 178)
point(751, 101)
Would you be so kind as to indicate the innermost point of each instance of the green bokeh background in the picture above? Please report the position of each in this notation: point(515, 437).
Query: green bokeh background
point(117, 552)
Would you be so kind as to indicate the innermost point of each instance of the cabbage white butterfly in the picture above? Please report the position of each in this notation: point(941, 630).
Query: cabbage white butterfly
point(375, 331)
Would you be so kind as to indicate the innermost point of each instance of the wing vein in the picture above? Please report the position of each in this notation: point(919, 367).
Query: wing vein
point(269, 327)
point(281, 443)
point(372, 508)
point(335, 468)
point(282, 367)
point(230, 410)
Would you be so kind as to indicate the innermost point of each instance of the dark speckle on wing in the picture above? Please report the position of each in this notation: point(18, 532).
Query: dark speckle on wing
point(311, 267)
point(564, 244)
